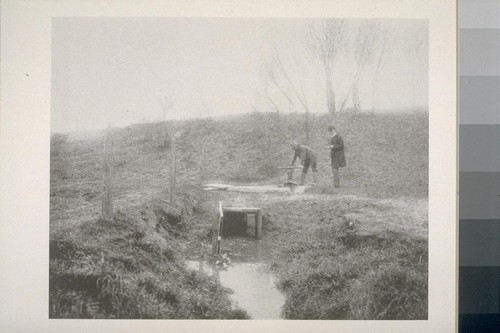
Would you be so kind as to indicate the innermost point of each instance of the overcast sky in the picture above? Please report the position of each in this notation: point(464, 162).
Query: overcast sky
point(118, 70)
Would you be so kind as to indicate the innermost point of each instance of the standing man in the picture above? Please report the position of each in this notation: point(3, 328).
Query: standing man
point(307, 158)
point(336, 154)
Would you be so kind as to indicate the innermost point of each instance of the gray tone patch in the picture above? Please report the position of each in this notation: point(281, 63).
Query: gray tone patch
point(479, 52)
point(479, 195)
point(480, 148)
point(481, 285)
point(479, 241)
point(479, 14)
point(480, 100)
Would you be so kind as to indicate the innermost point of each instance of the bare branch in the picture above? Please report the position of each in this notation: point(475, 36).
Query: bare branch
point(267, 97)
point(366, 38)
point(287, 78)
point(272, 76)
point(326, 42)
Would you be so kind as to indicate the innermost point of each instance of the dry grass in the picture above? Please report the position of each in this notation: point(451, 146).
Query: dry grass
point(129, 267)
point(132, 267)
point(350, 258)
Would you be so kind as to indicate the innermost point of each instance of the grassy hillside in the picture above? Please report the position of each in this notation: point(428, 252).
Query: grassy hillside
point(387, 156)
point(343, 257)
point(131, 267)
point(352, 259)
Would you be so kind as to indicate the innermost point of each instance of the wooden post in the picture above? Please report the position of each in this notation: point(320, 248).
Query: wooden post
point(172, 168)
point(107, 202)
point(258, 225)
point(215, 236)
point(221, 225)
point(217, 231)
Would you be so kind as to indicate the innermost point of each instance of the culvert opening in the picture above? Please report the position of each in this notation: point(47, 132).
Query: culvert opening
point(245, 222)
point(239, 224)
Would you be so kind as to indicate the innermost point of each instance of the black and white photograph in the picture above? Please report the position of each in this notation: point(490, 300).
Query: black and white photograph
point(239, 168)
point(228, 166)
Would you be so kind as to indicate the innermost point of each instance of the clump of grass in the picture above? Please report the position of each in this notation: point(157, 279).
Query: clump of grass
point(391, 292)
point(126, 268)
point(346, 266)
point(329, 281)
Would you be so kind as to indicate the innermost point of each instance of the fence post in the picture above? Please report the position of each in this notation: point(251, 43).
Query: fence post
point(220, 227)
point(172, 168)
point(107, 202)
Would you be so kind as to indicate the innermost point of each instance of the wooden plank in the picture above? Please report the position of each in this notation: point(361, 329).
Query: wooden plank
point(290, 168)
point(242, 209)
point(215, 235)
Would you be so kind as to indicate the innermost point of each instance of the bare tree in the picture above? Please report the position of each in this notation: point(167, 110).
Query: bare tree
point(368, 35)
point(365, 40)
point(293, 92)
point(326, 42)
point(269, 98)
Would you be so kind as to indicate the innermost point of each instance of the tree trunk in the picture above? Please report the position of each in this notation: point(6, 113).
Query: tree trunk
point(330, 94)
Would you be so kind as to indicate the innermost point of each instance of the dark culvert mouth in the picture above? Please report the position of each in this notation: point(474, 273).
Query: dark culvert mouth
point(235, 224)
point(239, 224)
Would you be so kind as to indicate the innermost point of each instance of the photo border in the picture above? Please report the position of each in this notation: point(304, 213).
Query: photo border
point(25, 143)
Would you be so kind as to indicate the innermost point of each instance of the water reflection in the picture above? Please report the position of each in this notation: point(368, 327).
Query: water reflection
point(252, 282)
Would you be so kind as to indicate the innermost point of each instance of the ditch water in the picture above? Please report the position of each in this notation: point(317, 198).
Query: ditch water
point(248, 276)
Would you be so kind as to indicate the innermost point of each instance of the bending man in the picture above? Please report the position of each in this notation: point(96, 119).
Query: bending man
point(307, 158)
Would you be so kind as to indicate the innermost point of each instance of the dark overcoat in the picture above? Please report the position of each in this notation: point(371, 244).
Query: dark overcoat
point(337, 151)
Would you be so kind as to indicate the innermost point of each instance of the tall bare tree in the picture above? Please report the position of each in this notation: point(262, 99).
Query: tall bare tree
point(368, 35)
point(364, 47)
point(291, 90)
point(326, 41)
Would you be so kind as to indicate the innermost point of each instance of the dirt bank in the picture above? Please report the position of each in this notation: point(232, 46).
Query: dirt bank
point(344, 253)
point(339, 256)
point(131, 267)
